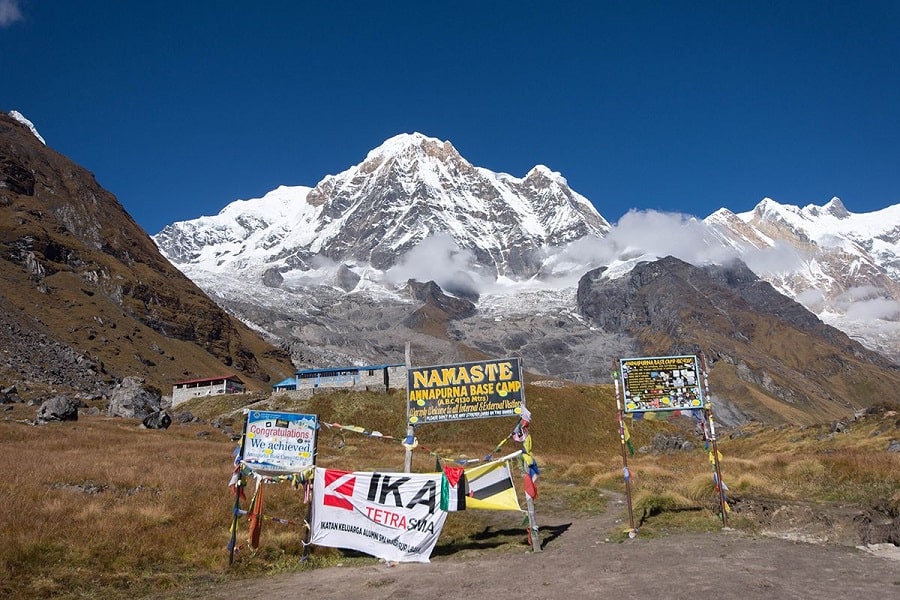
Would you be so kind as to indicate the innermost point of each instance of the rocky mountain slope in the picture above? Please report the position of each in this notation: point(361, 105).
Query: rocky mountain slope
point(87, 299)
point(770, 358)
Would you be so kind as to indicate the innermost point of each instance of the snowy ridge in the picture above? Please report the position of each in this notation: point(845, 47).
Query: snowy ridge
point(416, 209)
point(409, 190)
point(21, 119)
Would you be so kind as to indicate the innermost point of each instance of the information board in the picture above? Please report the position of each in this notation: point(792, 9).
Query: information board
point(661, 383)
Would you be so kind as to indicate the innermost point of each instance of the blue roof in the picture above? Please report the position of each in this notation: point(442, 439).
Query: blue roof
point(350, 368)
point(290, 381)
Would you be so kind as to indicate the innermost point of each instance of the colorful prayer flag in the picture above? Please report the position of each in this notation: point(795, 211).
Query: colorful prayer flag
point(491, 487)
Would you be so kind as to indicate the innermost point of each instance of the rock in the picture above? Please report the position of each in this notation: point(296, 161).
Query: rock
point(346, 279)
point(668, 442)
point(10, 395)
point(157, 420)
point(185, 417)
point(58, 408)
point(893, 446)
point(130, 399)
point(272, 278)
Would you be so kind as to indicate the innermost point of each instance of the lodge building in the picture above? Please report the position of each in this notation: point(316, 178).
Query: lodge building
point(373, 378)
point(207, 386)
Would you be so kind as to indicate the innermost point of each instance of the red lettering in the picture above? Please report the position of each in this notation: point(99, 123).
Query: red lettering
point(386, 517)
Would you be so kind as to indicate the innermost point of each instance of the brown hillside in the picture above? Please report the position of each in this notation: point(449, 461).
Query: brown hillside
point(85, 290)
point(770, 359)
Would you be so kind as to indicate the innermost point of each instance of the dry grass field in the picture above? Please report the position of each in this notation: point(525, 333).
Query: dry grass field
point(101, 508)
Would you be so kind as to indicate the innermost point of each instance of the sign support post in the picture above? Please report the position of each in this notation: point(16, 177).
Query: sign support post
point(237, 493)
point(625, 470)
point(534, 530)
point(410, 432)
point(720, 485)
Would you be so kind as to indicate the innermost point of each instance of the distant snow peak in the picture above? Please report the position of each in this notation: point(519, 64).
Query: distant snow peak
point(836, 208)
point(21, 119)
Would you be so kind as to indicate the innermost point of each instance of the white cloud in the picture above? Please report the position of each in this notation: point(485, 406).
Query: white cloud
point(440, 259)
point(884, 309)
point(646, 235)
point(9, 12)
point(779, 259)
point(867, 302)
point(813, 299)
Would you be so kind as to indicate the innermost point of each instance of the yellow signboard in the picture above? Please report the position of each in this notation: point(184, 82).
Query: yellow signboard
point(456, 392)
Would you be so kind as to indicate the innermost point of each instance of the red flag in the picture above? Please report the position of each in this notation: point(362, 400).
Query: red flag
point(256, 518)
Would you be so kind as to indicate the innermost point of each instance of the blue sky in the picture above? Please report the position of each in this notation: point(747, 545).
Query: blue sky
point(178, 108)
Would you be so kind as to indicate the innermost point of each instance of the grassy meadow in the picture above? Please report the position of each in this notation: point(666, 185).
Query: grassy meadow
point(100, 508)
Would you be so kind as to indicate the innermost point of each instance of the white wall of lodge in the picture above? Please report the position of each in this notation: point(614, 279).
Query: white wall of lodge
point(360, 378)
point(182, 392)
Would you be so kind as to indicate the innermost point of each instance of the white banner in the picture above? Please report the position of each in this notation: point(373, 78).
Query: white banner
point(392, 516)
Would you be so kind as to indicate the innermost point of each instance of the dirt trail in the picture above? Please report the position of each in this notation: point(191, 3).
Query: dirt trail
point(577, 563)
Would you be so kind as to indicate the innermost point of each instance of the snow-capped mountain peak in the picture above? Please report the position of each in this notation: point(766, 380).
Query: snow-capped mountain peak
point(414, 208)
point(409, 189)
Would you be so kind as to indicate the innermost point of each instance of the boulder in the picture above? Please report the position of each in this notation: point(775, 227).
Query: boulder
point(58, 408)
point(669, 442)
point(132, 400)
point(157, 420)
point(9, 395)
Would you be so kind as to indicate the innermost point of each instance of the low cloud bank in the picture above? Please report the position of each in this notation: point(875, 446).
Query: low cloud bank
point(638, 236)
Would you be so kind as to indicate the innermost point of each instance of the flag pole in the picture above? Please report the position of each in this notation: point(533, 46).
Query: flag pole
point(715, 450)
point(310, 498)
point(633, 531)
point(237, 492)
point(410, 432)
point(720, 485)
point(533, 529)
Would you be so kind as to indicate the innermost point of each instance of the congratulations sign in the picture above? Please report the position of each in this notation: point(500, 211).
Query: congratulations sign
point(393, 516)
point(464, 391)
point(661, 383)
point(280, 442)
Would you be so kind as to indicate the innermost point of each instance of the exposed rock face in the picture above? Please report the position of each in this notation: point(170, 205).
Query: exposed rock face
point(346, 278)
point(438, 308)
point(433, 296)
point(15, 177)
